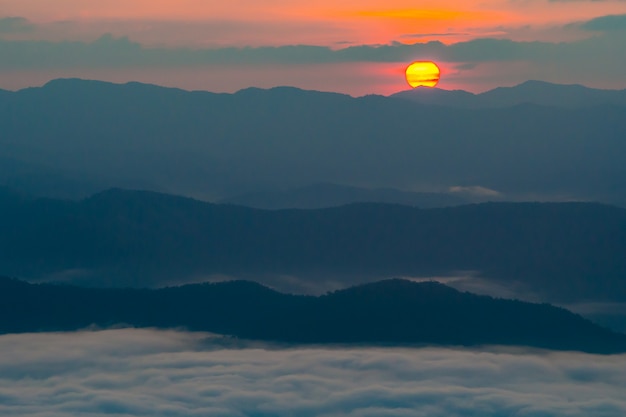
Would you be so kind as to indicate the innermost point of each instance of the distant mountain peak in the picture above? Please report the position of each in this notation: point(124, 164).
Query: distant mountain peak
point(400, 288)
point(287, 92)
point(540, 83)
point(533, 92)
point(402, 284)
point(143, 196)
point(548, 84)
point(540, 86)
point(68, 82)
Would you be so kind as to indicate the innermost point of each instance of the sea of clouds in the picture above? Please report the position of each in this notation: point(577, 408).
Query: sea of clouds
point(131, 372)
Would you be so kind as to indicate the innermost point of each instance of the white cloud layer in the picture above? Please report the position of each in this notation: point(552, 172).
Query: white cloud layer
point(166, 373)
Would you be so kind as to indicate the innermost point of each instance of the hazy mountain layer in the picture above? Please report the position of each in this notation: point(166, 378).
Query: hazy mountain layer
point(332, 195)
point(46, 182)
point(391, 312)
point(214, 146)
point(559, 251)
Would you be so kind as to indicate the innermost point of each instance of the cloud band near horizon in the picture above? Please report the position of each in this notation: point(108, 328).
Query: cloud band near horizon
point(121, 51)
point(595, 60)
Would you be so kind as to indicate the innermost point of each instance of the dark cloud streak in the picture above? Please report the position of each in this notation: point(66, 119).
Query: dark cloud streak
point(111, 52)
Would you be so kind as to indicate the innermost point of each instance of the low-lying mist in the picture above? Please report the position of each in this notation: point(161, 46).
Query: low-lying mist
point(129, 372)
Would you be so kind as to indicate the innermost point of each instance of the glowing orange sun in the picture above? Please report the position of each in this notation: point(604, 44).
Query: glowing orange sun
point(422, 74)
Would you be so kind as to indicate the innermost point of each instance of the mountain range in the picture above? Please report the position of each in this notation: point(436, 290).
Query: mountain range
point(412, 162)
point(561, 252)
point(72, 138)
point(317, 196)
point(531, 92)
point(392, 312)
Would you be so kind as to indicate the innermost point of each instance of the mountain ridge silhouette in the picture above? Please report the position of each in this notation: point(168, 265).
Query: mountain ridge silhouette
point(562, 251)
point(396, 312)
point(96, 135)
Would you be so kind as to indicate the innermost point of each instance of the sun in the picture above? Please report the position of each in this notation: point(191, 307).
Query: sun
point(422, 74)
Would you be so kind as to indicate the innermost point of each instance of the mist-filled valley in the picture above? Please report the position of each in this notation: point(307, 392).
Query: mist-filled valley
point(167, 373)
point(288, 252)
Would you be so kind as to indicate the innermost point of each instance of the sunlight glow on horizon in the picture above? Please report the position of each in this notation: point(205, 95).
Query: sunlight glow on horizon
point(378, 31)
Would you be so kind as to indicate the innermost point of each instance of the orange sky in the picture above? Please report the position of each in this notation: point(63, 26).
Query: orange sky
point(211, 24)
point(364, 21)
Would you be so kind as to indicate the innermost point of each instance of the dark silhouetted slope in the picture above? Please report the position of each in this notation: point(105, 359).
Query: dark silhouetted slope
point(390, 312)
point(560, 251)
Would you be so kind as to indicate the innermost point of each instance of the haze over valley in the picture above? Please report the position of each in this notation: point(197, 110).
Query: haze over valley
point(313, 209)
point(307, 220)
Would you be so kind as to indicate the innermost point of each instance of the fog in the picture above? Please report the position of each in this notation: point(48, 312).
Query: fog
point(129, 372)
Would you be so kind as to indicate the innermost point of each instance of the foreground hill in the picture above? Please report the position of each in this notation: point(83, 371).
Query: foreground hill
point(213, 146)
point(390, 312)
point(560, 251)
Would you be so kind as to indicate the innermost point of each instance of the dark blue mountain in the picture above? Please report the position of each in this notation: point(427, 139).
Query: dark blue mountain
point(392, 312)
point(559, 251)
point(213, 146)
point(317, 196)
point(530, 92)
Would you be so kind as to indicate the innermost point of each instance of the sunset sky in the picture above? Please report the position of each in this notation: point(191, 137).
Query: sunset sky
point(354, 47)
